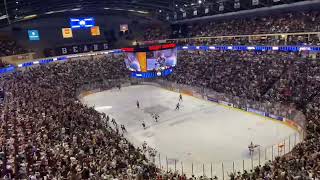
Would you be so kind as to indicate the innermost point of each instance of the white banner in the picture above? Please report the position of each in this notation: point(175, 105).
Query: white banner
point(221, 7)
point(206, 11)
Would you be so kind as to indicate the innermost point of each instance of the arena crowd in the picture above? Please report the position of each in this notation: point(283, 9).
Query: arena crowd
point(10, 47)
point(277, 23)
point(294, 22)
point(3, 64)
point(272, 77)
point(46, 133)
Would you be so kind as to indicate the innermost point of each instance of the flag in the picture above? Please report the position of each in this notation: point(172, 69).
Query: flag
point(95, 31)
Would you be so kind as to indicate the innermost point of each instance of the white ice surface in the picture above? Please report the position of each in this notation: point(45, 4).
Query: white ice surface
point(200, 133)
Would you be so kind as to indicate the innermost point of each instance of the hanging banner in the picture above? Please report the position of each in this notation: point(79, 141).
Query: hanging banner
point(95, 31)
point(184, 14)
point(67, 33)
point(206, 11)
point(124, 27)
point(255, 2)
point(221, 6)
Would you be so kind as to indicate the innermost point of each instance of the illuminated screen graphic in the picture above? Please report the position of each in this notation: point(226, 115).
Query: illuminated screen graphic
point(151, 61)
point(76, 23)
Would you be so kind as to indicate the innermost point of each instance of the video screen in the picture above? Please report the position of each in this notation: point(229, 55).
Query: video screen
point(132, 62)
point(82, 22)
point(151, 61)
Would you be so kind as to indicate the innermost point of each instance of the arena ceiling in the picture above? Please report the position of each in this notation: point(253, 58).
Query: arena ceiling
point(17, 10)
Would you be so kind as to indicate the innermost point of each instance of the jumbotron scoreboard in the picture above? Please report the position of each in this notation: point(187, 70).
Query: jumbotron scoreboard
point(151, 61)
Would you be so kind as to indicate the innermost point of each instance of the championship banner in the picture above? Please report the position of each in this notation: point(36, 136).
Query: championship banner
point(67, 33)
point(142, 57)
point(95, 31)
point(255, 2)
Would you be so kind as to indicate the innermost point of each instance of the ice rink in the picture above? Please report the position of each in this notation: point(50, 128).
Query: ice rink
point(196, 138)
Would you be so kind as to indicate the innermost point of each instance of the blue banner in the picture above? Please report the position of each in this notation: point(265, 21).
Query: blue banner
point(7, 69)
point(151, 74)
point(250, 48)
point(256, 111)
point(274, 117)
point(212, 99)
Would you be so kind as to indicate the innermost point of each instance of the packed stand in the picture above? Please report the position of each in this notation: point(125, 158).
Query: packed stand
point(288, 78)
point(155, 32)
point(271, 40)
point(9, 47)
point(223, 71)
point(294, 22)
point(299, 84)
point(3, 64)
point(47, 133)
point(277, 23)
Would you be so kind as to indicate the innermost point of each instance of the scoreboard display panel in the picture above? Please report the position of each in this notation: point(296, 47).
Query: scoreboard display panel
point(155, 59)
point(161, 59)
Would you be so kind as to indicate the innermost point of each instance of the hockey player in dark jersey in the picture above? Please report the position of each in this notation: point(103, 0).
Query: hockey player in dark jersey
point(123, 128)
point(143, 125)
point(178, 106)
point(156, 117)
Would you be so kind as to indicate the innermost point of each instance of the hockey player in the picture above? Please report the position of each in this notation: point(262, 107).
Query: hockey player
point(103, 116)
point(178, 106)
point(123, 128)
point(156, 117)
point(251, 148)
point(144, 147)
point(143, 125)
point(180, 97)
point(114, 123)
point(138, 105)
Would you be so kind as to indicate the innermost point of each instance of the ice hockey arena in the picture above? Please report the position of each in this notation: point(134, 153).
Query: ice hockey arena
point(160, 90)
